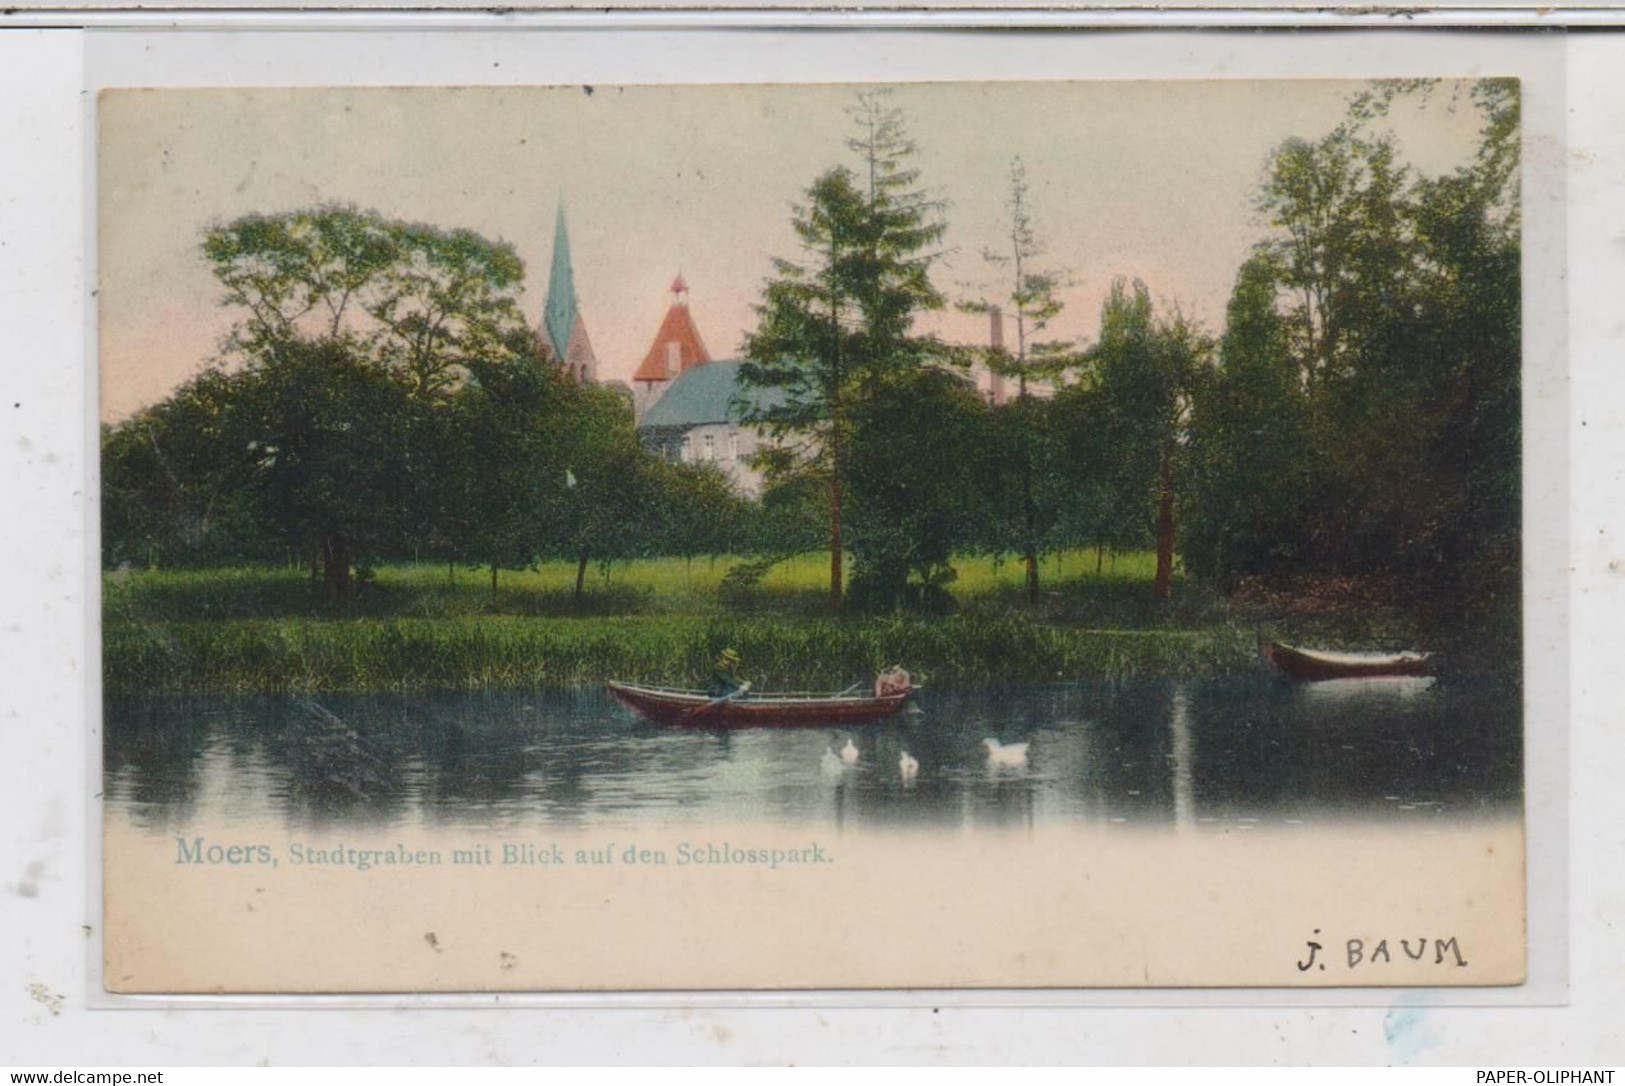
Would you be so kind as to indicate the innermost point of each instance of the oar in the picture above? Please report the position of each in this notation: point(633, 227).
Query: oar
point(698, 709)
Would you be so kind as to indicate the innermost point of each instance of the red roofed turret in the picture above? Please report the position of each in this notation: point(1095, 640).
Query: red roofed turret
point(677, 346)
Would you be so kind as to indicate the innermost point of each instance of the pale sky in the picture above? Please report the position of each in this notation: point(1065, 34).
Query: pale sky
point(1143, 179)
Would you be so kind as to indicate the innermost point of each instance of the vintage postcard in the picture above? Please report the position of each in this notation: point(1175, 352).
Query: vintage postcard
point(584, 538)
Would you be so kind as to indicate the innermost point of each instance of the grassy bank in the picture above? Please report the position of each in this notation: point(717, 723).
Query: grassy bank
point(276, 655)
point(427, 627)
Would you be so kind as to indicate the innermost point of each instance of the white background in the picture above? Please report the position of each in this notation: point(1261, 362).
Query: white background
point(47, 911)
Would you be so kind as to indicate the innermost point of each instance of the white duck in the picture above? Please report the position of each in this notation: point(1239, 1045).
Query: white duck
point(1003, 754)
point(849, 753)
point(908, 766)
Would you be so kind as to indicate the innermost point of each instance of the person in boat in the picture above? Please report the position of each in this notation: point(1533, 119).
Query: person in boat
point(725, 681)
point(894, 680)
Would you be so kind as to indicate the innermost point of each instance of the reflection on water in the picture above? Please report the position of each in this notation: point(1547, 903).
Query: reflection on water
point(1181, 760)
point(1242, 754)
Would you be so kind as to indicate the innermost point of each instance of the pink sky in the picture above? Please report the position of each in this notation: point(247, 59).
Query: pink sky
point(1153, 180)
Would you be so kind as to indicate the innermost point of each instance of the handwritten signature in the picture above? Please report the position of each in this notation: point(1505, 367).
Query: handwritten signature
point(1363, 953)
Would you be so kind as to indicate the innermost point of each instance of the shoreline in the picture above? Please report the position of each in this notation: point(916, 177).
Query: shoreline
point(291, 656)
point(663, 622)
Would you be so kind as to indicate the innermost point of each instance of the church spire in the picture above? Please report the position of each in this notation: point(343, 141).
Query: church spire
point(559, 312)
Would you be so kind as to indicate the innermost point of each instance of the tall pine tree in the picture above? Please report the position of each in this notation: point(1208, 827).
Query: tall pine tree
point(1033, 297)
point(839, 322)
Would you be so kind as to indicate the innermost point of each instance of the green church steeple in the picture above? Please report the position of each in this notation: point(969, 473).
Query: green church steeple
point(559, 313)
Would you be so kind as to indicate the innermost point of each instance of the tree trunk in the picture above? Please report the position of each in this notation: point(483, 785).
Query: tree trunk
point(336, 566)
point(581, 576)
point(316, 553)
point(493, 582)
point(1100, 558)
point(835, 523)
point(1165, 526)
point(835, 450)
point(1030, 515)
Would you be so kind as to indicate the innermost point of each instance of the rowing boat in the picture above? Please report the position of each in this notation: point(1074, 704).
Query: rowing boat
point(1303, 663)
point(669, 705)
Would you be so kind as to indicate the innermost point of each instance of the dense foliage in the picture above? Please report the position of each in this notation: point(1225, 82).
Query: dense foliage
point(1363, 415)
point(381, 398)
point(836, 326)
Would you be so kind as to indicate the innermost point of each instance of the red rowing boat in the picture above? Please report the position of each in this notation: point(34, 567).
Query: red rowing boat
point(1318, 664)
point(666, 705)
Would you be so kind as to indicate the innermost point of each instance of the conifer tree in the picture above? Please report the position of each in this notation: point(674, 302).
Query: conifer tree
point(839, 322)
point(1034, 300)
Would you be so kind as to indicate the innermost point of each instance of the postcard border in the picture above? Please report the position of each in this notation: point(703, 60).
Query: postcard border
point(1546, 631)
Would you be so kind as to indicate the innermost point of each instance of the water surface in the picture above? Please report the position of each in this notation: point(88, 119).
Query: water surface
point(1244, 755)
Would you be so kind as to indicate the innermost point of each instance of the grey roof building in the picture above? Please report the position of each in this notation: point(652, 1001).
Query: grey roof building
point(698, 419)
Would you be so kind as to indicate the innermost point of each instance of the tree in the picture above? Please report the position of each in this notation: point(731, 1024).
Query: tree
point(910, 516)
point(324, 451)
point(413, 306)
point(1034, 299)
point(446, 302)
point(296, 273)
point(835, 326)
point(790, 518)
point(1305, 196)
point(1252, 459)
point(173, 480)
point(1393, 300)
point(805, 344)
point(1468, 226)
point(612, 505)
point(700, 511)
point(507, 455)
point(1144, 372)
point(906, 225)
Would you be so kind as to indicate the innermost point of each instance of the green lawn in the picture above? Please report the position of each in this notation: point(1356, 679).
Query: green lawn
point(642, 586)
point(420, 626)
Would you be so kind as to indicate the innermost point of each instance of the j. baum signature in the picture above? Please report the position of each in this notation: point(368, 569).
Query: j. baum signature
point(1359, 953)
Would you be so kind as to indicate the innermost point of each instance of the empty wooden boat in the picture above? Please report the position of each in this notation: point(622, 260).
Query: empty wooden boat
point(1302, 663)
